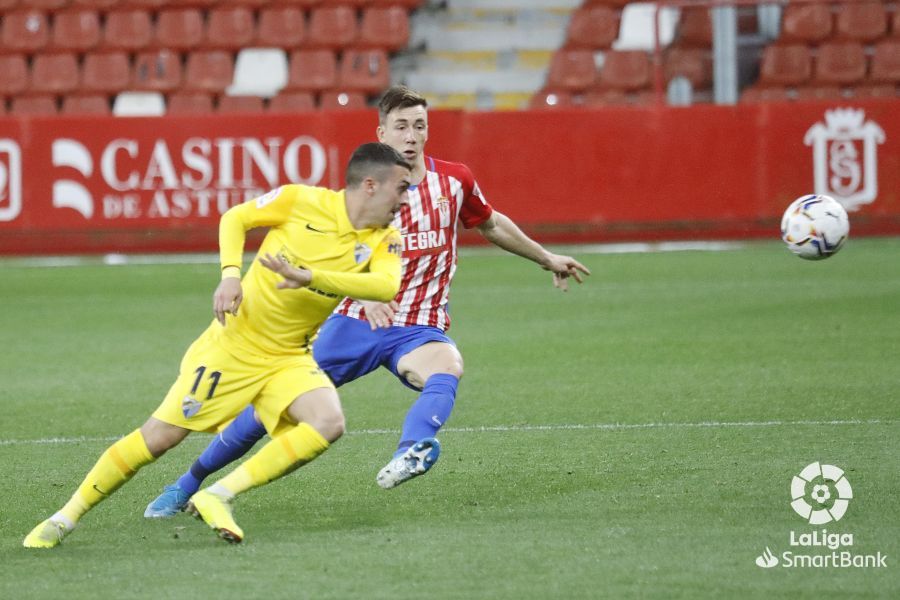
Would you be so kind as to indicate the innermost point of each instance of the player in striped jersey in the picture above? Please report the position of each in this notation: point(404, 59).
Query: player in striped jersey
point(407, 335)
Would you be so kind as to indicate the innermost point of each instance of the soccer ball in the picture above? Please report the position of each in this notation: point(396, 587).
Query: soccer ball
point(815, 226)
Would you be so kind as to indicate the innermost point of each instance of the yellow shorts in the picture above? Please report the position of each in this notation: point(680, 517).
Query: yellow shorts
point(214, 385)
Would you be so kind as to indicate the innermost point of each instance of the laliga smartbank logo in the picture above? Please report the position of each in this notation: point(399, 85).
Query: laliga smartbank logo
point(820, 494)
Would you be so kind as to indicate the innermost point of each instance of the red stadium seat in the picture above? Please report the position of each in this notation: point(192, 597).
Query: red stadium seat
point(179, 28)
point(230, 28)
point(189, 103)
point(292, 102)
point(105, 72)
point(819, 92)
point(694, 64)
point(156, 70)
point(249, 3)
point(34, 105)
point(13, 74)
point(146, 4)
point(840, 63)
point(48, 5)
point(407, 4)
point(876, 91)
point(7, 5)
point(765, 94)
point(550, 99)
point(127, 30)
point(694, 27)
point(785, 65)
point(593, 27)
point(885, 66)
point(24, 31)
point(240, 104)
point(863, 21)
point(338, 99)
point(332, 27)
point(312, 70)
point(208, 71)
point(54, 73)
point(384, 27)
point(572, 70)
point(625, 70)
point(84, 104)
point(806, 23)
point(96, 4)
point(618, 97)
point(895, 22)
point(75, 30)
point(281, 27)
point(366, 71)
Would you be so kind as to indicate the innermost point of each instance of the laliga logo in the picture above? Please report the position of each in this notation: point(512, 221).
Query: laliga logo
point(68, 193)
point(829, 490)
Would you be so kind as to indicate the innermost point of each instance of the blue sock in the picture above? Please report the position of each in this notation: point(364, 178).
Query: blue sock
point(232, 443)
point(430, 411)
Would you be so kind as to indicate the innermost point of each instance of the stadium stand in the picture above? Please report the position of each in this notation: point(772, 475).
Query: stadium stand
point(157, 70)
point(127, 30)
point(77, 30)
point(281, 26)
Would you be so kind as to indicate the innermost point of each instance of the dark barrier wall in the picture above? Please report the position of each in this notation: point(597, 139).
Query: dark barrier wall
point(160, 184)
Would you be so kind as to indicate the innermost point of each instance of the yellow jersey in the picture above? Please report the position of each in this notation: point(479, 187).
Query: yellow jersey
point(309, 228)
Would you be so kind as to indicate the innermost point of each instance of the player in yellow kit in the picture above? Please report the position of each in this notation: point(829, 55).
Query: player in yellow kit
point(325, 245)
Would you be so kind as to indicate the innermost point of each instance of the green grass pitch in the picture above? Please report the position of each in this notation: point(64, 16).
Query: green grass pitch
point(635, 437)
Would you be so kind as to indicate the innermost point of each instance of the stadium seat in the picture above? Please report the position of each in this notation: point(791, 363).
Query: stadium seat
point(862, 21)
point(876, 91)
point(13, 74)
point(208, 71)
point(179, 28)
point(105, 72)
point(384, 27)
point(148, 4)
point(407, 4)
point(819, 92)
point(366, 71)
point(694, 27)
point(85, 104)
point(758, 94)
point(75, 30)
point(840, 63)
point(24, 31)
point(618, 97)
point(7, 5)
point(127, 30)
point(281, 27)
point(139, 104)
point(895, 22)
point(34, 105)
point(312, 70)
point(806, 23)
point(189, 103)
point(337, 99)
point(259, 72)
point(785, 65)
point(156, 70)
point(592, 28)
point(230, 28)
point(48, 5)
point(292, 102)
point(96, 4)
point(572, 70)
point(250, 3)
point(332, 27)
point(54, 73)
point(550, 99)
point(625, 70)
point(885, 65)
point(239, 104)
point(694, 64)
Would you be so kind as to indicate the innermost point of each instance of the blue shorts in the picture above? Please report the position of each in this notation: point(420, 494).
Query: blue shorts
point(347, 348)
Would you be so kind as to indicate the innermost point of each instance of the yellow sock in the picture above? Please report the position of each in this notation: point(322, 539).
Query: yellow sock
point(280, 456)
point(116, 466)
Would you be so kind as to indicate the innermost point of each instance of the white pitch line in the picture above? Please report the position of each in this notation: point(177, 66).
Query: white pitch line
point(527, 428)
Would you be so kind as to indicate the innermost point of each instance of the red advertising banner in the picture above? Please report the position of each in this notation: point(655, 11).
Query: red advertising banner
point(72, 185)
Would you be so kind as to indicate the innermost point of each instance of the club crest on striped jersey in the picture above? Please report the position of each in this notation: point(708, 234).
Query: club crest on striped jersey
point(361, 253)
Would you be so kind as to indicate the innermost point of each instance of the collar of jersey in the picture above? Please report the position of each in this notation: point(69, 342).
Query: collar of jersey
point(344, 226)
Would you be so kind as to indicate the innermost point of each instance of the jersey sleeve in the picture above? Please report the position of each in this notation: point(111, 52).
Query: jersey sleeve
point(475, 210)
point(272, 208)
point(381, 283)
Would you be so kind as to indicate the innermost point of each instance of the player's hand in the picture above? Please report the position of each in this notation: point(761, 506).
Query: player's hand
point(294, 277)
point(564, 267)
point(380, 314)
point(227, 298)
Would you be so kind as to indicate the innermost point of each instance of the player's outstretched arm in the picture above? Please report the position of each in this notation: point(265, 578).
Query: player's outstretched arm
point(501, 231)
point(294, 277)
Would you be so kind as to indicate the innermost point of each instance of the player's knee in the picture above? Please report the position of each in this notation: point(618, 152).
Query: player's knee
point(161, 437)
point(330, 426)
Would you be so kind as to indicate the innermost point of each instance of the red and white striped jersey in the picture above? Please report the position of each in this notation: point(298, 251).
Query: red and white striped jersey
point(447, 194)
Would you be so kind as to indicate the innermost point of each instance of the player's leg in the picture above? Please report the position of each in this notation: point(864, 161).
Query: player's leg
point(302, 427)
point(229, 445)
point(434, 367)
point(114, 468)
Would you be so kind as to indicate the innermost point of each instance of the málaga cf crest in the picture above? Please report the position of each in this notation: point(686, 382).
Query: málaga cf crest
point(845, 156)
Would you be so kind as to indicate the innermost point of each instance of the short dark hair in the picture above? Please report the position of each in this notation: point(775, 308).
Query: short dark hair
point(399, 96)
point(372, 159)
